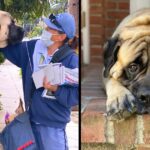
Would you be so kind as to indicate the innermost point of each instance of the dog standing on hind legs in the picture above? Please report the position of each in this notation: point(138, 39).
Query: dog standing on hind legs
point(127, 67)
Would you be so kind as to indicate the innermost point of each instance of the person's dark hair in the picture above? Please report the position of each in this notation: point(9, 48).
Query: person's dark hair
point(73, 43)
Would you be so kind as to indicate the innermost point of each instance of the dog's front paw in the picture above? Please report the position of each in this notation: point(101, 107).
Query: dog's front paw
point(121, 105)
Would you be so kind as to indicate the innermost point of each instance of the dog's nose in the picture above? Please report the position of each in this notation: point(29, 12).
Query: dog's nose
point(143, 95)
point(143, 100)
point(141, 91)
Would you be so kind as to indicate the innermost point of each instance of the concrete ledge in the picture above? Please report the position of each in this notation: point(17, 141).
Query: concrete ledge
point(97, 132)
point(92, 127)
point(107, 146)
point(96, 128)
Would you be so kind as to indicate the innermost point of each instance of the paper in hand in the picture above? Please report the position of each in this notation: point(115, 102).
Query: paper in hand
point(38, 78)
point(50, 71)
point(56, 74)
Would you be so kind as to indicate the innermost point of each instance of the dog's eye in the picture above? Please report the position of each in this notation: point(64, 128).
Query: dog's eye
point(133, 68)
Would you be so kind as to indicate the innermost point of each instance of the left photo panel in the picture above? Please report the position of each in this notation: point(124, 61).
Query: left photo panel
point(39, 75)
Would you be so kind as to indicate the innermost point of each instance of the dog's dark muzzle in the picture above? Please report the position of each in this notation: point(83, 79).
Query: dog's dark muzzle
point(141, 90)
point(16, 34)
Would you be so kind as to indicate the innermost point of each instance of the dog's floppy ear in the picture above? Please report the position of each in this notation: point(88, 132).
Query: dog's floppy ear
point(16, 34)
point(110, 54)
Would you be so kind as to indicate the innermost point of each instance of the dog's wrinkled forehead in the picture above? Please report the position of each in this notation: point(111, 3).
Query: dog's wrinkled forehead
point(139, 18)
point(134, 35)
point(5, 18)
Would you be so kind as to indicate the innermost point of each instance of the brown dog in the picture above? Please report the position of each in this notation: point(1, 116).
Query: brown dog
point(9, 32)
point(127, 67)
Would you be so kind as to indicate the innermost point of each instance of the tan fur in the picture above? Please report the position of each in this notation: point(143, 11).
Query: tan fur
point(138, 18)
point(5, 20)
point(112, 92)
point(127, 53)
point(134, 35)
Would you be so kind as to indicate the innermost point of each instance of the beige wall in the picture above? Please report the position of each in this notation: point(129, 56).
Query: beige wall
point(138, 4)
point(85, 31)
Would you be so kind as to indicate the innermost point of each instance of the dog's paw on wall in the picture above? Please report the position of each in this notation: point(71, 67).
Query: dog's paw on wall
point(120, 104)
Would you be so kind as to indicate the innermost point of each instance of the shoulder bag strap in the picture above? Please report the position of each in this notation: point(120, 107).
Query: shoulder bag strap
point(32, 88)
point(29, 57)
point(61, 54)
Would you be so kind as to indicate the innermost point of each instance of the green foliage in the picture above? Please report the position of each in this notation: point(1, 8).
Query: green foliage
point(37, 30)
point(25, 9)
point(2, 58)
point(62, 9)
point(20, 73)
point(28, 10)
point(107, 146)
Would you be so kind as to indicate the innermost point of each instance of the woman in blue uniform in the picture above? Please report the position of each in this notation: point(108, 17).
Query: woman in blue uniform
point(49, 117)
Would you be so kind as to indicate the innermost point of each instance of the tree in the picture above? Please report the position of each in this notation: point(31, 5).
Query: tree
point(25, 11)
point(28, 9)
point(58, 6)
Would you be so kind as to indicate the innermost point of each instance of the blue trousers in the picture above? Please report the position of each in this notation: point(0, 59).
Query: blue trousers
point(48, 138)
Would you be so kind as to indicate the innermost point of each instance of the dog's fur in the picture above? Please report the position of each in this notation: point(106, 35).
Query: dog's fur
point(127, 67)
point(10, 33)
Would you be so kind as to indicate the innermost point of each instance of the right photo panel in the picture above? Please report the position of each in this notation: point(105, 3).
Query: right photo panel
point(115, 75)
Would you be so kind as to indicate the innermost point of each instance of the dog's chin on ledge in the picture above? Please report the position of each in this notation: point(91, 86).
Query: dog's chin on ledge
point(143, 108)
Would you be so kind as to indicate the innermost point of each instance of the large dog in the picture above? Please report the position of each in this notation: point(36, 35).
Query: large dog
point(10, 33)
point(127, 67)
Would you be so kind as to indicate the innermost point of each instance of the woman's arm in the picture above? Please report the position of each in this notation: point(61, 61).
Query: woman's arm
point(17, 53)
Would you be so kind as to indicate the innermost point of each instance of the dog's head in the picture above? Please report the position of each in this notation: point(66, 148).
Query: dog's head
point(127, 56)
point(10, 33)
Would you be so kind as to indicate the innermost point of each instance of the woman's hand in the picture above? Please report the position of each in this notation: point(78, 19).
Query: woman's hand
point(48, 86)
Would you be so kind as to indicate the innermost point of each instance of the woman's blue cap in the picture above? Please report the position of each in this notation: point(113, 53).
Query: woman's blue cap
point(66, 24)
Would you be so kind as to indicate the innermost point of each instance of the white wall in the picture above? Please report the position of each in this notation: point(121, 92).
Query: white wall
point(85, 32)
point(138, 4)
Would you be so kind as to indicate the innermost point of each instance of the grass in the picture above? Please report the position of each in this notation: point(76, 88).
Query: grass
point(96, 146)
point(106, 146)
